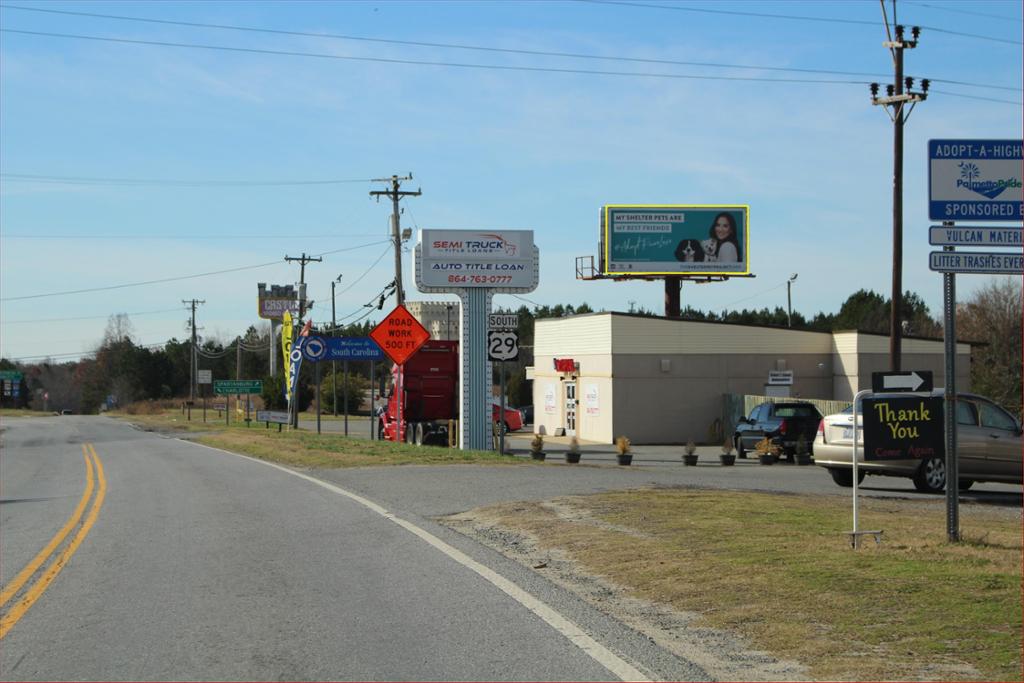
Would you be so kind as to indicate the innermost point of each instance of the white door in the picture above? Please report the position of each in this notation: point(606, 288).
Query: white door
point(570, 408)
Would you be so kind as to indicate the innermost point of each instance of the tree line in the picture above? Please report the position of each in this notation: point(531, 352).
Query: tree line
point(122, 371)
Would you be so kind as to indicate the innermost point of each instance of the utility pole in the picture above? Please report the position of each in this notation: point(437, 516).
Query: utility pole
point(193, 358)
point(396, 235)
point(789, 299)
point(898, 95)
point(303, 260)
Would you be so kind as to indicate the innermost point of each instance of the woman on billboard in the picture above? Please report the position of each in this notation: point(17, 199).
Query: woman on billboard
point(722, 244)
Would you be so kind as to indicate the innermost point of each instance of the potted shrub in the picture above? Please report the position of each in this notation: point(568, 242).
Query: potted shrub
point(624, 454)
point(537, 447)
point(572, 456)
point(802, 456)
point(690, 456)
point(727, 457)
point(767, 452)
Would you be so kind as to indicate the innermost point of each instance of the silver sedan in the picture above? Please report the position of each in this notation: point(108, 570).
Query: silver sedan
point(988, 449)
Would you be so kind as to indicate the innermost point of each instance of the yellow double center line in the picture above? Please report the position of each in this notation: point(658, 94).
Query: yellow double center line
point(57, 549)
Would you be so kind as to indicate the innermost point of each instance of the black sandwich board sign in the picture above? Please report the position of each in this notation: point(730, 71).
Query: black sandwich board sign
point(903, 428)
point(912, 380)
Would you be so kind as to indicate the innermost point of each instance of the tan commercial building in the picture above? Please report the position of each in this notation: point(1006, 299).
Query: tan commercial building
point(659, 380)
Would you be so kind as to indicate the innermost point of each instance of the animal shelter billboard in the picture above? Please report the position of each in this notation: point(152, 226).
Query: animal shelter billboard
point(670, 239)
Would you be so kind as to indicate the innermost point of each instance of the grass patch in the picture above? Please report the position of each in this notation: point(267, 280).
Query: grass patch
point(779, 570)
point(304, 448)
point(24, 412)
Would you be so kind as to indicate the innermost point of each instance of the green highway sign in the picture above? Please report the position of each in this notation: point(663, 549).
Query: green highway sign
point(11, 375)
point(237, 386)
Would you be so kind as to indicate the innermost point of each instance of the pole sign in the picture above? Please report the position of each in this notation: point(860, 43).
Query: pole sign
point(903, 428)
point(273, 302)
point(780, 377)
point(341, 348)
point(11, 375)
point(475, 265)
point(665, 239)
point(400, 335)
point(974, 236)
point(975, 180)
point(237, 386)
point(472, 258)
point(913, 380)
point(204, 376)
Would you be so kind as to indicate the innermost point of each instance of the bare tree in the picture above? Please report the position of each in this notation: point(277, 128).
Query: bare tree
point(993, 316)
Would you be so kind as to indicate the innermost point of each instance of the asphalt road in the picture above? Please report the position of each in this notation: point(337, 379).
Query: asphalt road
point(202, 565)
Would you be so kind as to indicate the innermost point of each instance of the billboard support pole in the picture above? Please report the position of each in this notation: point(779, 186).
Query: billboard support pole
point(673, 285)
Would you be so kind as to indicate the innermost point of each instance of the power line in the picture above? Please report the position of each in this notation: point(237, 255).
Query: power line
point(79, 354)
point(492, 67)
point(87, 317)
point(78, 180)
point(792, 17)
point(282, 236)
point(451, 46)
point(175, 279)
point(975, 97)
point(961, 11)
point(414, 62)
point(367, 271)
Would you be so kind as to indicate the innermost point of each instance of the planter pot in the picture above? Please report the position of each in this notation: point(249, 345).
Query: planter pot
point(572, 458)
point(766, 459)
point(804, 459)
point(538, 455)
point(690, 460)
point(727, 460)
point(625, 459)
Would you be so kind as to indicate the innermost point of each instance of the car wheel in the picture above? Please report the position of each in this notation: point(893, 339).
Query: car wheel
point(966, 484)
point(407, 437)
point(741, 452)
point(931, 476)
point(419, 434)
point(844, 477)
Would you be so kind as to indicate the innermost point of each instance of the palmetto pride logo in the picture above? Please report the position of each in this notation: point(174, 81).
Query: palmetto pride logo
point(970, 179)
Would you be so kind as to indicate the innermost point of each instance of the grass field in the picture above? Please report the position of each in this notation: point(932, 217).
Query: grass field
point(304, 448)
point(779, 570)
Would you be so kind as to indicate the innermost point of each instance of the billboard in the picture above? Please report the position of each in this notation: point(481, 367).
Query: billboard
point(496, 259)
point(674, 239)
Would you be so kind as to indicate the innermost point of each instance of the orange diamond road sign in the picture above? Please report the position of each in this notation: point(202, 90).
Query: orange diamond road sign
point(399, 335)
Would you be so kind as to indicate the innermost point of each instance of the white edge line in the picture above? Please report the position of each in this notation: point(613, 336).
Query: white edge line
point(576, 635)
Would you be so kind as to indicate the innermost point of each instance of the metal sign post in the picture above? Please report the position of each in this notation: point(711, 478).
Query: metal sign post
point(502, 345)
point(970, 180)
point(316, 373)
point(399, 335)
point(952, 466)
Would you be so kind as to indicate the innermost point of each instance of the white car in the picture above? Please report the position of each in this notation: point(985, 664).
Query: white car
point(988, 449)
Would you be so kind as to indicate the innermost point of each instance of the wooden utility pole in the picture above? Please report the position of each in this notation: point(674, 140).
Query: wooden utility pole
point(396, 234)
point(303, 260)
point(898, 95)
point(193, 358)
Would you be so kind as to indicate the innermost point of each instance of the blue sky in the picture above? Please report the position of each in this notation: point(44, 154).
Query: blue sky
point(490, 148)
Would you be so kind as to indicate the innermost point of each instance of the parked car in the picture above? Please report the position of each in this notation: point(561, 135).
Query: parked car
point(513, 421)
point(988, 448)
point(781, 423)
point(527, 412)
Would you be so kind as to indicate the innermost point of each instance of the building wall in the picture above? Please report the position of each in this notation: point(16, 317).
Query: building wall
point(441, 318)
point(662, 381)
